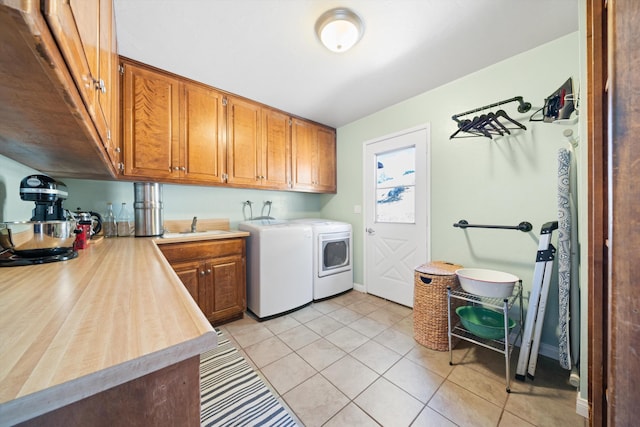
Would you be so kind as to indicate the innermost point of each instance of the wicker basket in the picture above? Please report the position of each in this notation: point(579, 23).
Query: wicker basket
point(430, 323)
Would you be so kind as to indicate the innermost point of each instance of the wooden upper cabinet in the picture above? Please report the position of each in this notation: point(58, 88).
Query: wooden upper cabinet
point(85, 33)
point(313, 157)
point(172, 127)
point(201, 123)
point(179, 130)
point(258, 145)
point(150, 123)
point(47, 97)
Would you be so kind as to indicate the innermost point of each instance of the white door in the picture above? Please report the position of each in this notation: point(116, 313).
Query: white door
point(396, 187)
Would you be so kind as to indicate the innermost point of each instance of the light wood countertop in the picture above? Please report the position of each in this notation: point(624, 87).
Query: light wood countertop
point(74, 328)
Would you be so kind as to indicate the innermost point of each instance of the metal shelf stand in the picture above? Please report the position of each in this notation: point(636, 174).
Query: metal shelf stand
point(504, 346)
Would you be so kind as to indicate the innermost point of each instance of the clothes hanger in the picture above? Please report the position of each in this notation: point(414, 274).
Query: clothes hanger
point(502, 113)
point(489, 124)
point(465, 126)
point(495, 119)
point(490, 121)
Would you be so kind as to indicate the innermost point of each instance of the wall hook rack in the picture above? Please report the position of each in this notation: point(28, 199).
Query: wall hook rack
point(492, 123)
point(524, 226)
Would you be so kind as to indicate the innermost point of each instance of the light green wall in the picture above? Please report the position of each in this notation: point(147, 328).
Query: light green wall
point(180, 201)
point(11, 207)
point(186, 201)
point(502, 181)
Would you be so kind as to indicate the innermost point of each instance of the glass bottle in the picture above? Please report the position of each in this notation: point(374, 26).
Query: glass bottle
point(123, 222)
point(109, 225)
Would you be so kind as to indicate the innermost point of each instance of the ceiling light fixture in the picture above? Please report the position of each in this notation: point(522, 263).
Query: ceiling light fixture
point(339, 29)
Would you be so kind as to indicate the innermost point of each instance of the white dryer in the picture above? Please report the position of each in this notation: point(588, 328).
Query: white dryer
point(279, 266)
point(332, 256)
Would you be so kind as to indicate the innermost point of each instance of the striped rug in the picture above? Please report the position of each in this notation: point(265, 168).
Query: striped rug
point(233, 395)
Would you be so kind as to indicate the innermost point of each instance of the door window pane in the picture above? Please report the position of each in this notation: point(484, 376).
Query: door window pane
point(395, 186)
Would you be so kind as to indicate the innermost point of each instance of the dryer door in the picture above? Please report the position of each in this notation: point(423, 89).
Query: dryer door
point(334, 253)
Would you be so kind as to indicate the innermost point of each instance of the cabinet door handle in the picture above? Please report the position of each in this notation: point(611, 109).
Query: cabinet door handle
point(202, 273)
point(208, 271)
point(183, 168)
point(100, 85)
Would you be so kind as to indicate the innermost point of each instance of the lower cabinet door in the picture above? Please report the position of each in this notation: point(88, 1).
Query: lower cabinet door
point(225, 288)
point(190, 273)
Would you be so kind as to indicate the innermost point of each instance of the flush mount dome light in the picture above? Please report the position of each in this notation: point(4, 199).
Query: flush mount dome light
point(339, 29)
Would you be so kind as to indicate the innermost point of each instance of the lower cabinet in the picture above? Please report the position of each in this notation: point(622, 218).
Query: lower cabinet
point(214, 273)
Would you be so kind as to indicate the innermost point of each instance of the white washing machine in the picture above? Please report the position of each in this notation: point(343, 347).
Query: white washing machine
point(332, 256)
point(279, 266)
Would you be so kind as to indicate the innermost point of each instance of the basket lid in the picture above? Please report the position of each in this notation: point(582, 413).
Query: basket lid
point(438, 268)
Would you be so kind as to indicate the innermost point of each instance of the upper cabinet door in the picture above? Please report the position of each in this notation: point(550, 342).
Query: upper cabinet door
point(313, 157)
point(243, 142)
point(201, 148)
point(108, 93)
point(75, 24)
point(303, 152)
point(326, 160)
point(150, 123)
point(275, 155)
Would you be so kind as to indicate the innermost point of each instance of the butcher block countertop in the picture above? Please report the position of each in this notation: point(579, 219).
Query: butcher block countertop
point(71, 329)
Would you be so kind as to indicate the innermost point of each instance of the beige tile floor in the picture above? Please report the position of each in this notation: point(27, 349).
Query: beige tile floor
point(352, 361)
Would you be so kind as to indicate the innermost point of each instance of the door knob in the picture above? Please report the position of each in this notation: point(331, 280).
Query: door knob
point(370, 230)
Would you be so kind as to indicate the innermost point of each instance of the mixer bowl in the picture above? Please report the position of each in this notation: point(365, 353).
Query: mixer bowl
point(37, 238)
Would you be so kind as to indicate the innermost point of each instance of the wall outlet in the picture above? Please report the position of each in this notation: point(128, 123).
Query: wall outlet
point(357, 209)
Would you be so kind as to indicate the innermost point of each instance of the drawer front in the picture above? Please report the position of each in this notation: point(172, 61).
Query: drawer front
point(176, 252)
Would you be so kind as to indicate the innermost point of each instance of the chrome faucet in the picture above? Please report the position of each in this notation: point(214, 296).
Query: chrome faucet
point(193, 224)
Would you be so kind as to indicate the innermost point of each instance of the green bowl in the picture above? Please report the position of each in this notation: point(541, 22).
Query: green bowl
point(483, 322)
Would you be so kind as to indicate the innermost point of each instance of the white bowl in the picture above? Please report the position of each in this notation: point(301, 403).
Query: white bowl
point(487, 283)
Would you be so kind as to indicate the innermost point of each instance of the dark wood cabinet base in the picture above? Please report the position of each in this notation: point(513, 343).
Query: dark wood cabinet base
point(168, 397)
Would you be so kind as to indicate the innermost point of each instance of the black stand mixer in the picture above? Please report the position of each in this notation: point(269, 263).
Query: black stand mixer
point(48, 195)
point(49, 235)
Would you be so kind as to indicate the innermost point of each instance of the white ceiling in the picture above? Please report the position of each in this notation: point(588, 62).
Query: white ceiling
point(267, 50)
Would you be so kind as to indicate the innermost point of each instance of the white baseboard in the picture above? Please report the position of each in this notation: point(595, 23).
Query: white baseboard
point(549, 351)
point(582, 406)
point(359, 287)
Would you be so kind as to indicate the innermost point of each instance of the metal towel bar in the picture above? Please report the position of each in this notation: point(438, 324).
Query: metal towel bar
point(523, 226)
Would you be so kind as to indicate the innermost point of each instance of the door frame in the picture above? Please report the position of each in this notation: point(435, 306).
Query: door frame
point(426, 126)
point(613, 189)
point(597, 212)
